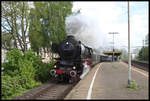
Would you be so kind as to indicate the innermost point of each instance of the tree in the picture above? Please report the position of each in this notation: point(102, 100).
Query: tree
point(144, 54)
point(47, 24)
point(15, 25)
point(147, 39)
point(7, 41)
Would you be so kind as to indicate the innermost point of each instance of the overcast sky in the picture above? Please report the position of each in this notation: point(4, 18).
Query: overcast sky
point(112, 17)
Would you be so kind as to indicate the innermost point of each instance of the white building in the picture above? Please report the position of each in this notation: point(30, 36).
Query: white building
point(135, 53)
point(3, 56)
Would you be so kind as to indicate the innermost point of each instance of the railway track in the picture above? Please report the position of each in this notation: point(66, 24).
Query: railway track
point(140, 65)
point(47, 91)
point(50, 90)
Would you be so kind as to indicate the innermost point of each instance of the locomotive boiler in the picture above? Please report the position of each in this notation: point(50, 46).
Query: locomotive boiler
point(75, 60)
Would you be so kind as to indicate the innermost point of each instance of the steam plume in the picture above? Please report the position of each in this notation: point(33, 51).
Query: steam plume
point(86, 29)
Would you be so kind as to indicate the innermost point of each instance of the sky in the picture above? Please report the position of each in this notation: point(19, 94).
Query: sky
point(113, 17)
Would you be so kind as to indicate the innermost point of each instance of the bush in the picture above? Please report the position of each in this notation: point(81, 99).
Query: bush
point(28, 73)
point(22, 72)
point(44, 71)
point(11, 87)
point(11, 67)
point(36, 60)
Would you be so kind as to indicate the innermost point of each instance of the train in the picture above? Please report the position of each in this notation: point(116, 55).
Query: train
point(75, 60)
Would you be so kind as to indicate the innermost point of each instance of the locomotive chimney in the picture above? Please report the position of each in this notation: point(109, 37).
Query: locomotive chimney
point(70, 36)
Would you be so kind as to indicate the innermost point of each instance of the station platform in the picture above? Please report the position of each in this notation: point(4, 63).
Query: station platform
point(109, 80)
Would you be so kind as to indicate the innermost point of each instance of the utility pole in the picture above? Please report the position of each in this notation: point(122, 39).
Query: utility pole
point(129, 54)
point(113, 43)
point(143, 50)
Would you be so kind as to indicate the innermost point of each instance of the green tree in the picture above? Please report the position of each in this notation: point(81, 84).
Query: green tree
point(144, 54)
point(7, 42)
point(147, 39)
point(47, 24)
point(15, 25)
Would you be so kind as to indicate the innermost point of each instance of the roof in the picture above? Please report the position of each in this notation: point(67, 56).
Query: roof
point(111, 52)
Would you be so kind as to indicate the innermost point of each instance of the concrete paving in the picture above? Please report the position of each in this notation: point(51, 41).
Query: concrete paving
point(111, 83)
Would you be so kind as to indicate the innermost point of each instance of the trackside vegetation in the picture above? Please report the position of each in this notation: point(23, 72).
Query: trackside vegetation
point(28, 29)
point(22, 72)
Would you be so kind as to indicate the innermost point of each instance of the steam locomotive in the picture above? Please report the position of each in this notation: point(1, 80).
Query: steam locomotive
point(75, 60)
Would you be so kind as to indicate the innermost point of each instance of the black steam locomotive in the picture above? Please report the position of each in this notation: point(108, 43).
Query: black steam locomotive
point(74, 59)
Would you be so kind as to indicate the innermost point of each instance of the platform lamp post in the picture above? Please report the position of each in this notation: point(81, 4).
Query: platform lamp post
point(113, 43)
point(129, 54)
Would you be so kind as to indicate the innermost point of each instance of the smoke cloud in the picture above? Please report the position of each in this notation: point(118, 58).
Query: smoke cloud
point(87, 30)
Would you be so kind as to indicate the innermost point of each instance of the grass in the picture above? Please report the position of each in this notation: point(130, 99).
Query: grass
point(141, 61)
point(133, 85)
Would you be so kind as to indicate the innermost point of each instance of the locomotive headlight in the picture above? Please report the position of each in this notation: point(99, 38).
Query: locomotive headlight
point(55, 66)
point(74, 67)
